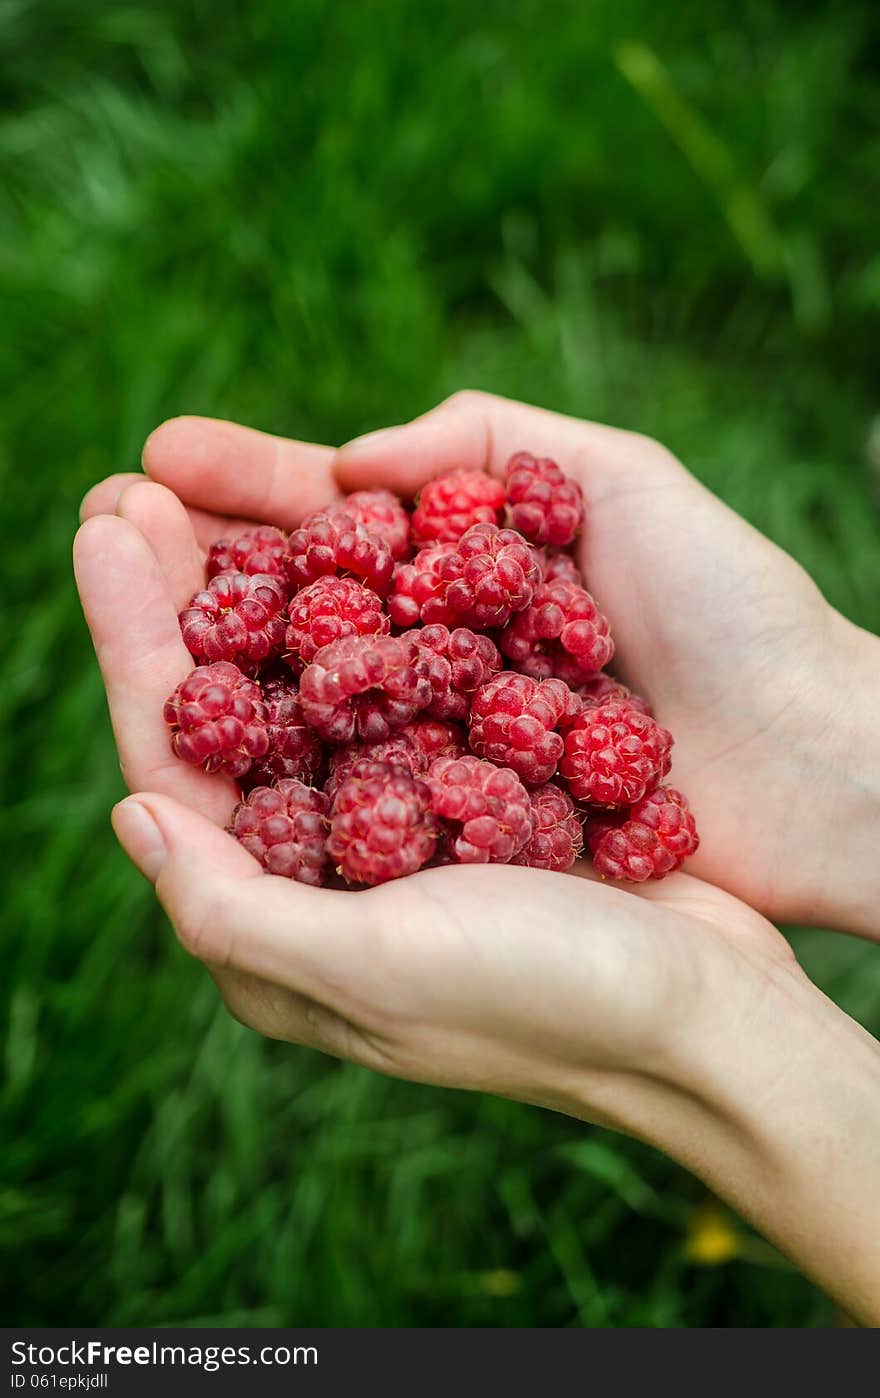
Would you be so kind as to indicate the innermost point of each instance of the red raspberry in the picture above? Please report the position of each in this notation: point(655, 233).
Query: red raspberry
point(450, 504)
point(497, 574)
point(515, 720)
point(295, 750)
point(327, 610)
point(220, 719)
point(420, 587)
point(458, 662)
point(413, 747)
point(614, 754)
point(336, 542)
point(381, 824)
point(364, 686)
point(285, 828)
point(559, 567)
point(649, 841)
point(602, 687)
point(545, 506)
point(561, 634)
point(433, 737)
point(558, 837)
point(237, 617)
point(382, 513)
point(259, 550)
point(487, 807)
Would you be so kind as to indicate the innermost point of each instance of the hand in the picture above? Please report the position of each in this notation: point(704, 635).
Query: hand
point(665, 1013)
point(768, 691)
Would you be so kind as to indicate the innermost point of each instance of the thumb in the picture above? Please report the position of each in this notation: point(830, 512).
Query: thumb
point(229, 913)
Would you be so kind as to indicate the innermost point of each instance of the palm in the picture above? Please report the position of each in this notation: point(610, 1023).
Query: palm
point(722, 631)
point(608, 946)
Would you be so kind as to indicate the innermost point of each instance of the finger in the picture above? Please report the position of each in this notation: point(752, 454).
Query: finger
point(229, 913)
point(133, 621)
point(160, 517)
point(103, 498)
point(219, 466)
point(477, 432)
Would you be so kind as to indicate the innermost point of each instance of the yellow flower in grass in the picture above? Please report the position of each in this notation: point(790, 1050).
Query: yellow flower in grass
point(711, 1239)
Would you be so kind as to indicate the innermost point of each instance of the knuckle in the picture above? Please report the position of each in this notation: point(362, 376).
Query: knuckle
point(652, 452)
point(465, 399)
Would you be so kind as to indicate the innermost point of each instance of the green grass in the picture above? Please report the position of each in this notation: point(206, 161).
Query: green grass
point(318, 218)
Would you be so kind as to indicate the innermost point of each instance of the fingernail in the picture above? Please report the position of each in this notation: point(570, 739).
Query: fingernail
point(140, 837)
point(369, 439)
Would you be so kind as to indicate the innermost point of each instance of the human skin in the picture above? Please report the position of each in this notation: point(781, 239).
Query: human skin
point(674, 1012)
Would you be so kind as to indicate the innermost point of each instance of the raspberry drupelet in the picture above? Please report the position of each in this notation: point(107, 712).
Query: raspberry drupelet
point(238, 617)
point(457, 662)
point(364, 687)
point(219, 719)
point(562, 634)
point(516, 722)
point(614, 754)
point(285, 828)
point(334, 541)
point(494, 573)
point(420, 588)
point(487, 809)
point(558, 567)
point(413, 747)
point(601, 688)
point(544, 504)
point(558, 837)
point(295, 750)
point(381, 824)
point(449, 505)
point(649, 841)
point(258, 550)
point(327, 610)
point(382, 513)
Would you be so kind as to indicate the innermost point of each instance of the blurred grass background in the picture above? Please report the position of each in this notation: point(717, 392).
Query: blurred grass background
point(319, 218)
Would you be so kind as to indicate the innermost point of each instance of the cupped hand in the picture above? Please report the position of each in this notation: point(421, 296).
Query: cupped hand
point(539, 986)
point(768, 690)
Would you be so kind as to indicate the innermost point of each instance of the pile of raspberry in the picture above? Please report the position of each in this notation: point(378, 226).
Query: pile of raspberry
point(394, 688)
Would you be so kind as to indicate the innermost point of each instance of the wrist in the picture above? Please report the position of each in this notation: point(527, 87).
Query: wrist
point(853, 892)
point(827, 790)
point(771, 1095)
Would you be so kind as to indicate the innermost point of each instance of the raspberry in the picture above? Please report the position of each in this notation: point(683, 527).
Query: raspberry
point(614, 754)
point(327, 610)
point(336, 542)
point(364, 686)
point(558, 838)
point(381, 513)
point(237, 617)
point(259, 550)
point(420, 588)
point(450, 504)
point(648, 842)
point(562, 634)
point(432, 737)
point(295, 750)
point(545, 506)
point(381, 824)
point(413, 747)
point(515, 720)
point(220, 719)
point(494, 573)
point(285, 828)
point(558, 567)
point(488, 809)
point(458, 662)
point(602, 687)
